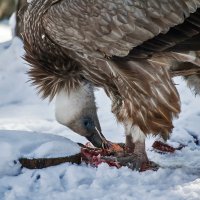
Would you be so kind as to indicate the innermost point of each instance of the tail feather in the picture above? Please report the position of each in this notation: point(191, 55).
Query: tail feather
point(185, 64)
point(191, 74)
point(193, 83)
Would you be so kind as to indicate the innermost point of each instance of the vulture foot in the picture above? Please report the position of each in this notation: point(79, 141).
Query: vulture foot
point(117, 155)
point(136, 162)
point(136, 158)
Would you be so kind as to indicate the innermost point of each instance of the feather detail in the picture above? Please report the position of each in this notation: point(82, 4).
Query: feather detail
point(149, 101)
point(110, 27)
point(48, 74)
point(121, 46)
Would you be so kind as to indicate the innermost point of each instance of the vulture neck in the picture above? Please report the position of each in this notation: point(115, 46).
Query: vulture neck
point(69, 105)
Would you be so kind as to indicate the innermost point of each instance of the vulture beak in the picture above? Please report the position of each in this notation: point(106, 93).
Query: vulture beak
point(97, 139)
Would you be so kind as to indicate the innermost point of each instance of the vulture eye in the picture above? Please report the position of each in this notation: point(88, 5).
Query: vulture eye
point(88, 123)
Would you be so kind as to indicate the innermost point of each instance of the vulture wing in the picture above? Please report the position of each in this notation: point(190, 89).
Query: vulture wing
point(115, 27)
point(180, 38)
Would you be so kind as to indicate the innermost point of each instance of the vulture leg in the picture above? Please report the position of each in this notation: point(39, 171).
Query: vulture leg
point(135, 144)
point(145, 101)
point(135, 153)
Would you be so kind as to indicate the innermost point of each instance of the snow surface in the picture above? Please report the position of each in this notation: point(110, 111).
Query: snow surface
point(5, 33)
point(19, 144)
point(21, 110)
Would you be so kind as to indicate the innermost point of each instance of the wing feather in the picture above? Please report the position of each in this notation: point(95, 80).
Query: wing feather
point(112, 27)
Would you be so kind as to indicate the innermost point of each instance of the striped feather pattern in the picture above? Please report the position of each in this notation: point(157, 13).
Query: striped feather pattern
point(131, 48)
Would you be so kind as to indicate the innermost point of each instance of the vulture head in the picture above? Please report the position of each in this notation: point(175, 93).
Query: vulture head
point(77, 110)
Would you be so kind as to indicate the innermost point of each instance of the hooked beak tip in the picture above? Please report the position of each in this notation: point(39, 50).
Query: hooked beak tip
point(96, 140)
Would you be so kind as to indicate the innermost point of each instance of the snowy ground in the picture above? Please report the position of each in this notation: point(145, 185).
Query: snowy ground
point(22, 110)
point(5, 33)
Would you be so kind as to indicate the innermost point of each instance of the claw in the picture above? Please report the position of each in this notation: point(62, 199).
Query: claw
point(106, 144)
point(135, 162)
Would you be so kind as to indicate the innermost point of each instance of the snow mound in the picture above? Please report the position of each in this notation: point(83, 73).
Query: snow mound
point(18, 144)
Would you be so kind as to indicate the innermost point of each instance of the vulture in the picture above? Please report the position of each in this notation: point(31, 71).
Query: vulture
point(130, 48)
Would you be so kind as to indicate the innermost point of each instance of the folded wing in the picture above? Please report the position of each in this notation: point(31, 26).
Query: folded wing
point(113, 27)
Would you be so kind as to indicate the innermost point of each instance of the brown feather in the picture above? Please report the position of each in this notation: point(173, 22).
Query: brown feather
point(67, 42)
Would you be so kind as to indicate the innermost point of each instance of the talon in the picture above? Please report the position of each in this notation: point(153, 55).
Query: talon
point(105, 144)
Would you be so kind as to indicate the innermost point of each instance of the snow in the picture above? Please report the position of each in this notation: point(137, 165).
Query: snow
point(18, 144)
point(5, 33)
point(35, 145)
point(25, 121)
